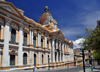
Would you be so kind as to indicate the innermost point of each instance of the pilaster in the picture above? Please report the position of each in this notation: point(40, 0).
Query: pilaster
point(45, 41)
point(39, 39)
point(56, 48)
point(63, 50)
point(53, 51)
point(39, 58)
point(6, 44)
point(32, 38)
point(20, 49)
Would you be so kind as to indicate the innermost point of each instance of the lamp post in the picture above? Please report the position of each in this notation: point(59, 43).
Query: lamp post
point(90, 58)
point(49, 63)
point(82, 49)
point(91, 65)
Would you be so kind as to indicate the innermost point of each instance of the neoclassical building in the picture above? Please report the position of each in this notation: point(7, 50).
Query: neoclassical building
point(24, 42)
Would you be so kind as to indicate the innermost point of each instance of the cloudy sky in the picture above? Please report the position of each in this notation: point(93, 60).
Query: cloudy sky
point(72, 16)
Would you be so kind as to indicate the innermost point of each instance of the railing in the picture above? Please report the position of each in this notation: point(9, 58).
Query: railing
point(1, 40)
point(25, 45)
point(13, 42)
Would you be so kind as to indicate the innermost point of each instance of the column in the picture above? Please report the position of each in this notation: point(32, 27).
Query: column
point(33, 57)
point(6, 44)
point(30, 36)
point(10, 34)
point(60, 51)
point(53, 52)
point(45, 42)
point(50, 49)
point(2, 31)
point(57, 51)
point(20, 49)
point(39, 39)
point(30, 59)
point(65, 55)
point(63, 50)
point(39, 58)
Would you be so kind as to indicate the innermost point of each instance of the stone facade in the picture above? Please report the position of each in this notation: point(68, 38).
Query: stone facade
point(24, 42)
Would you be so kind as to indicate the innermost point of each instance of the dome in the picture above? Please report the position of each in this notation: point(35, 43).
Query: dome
point(46, 17)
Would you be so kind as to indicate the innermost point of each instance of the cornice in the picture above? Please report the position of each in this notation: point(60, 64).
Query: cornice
point(7, 21)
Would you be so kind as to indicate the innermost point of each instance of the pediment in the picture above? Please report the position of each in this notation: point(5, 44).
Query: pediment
point(49, 27)
point(10, 7)
point(59, 33)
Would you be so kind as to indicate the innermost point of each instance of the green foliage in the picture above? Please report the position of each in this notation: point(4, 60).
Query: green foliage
point(96, 55)
point(92, 41)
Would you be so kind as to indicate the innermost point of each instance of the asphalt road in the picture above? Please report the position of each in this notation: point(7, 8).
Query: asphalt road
point(77, 69)
point(65, 70)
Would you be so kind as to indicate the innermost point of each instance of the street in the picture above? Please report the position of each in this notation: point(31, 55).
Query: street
point(73, 69)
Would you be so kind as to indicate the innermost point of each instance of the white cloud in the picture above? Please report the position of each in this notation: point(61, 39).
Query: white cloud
point(77, 42)
point(90, 19)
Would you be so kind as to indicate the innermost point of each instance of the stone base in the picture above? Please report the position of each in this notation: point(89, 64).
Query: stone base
point(5, 68)
point(19, 66)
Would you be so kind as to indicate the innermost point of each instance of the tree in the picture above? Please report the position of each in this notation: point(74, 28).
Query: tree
point(92, 41)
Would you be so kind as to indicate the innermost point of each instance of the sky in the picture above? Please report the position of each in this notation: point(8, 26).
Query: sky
point(72, 16)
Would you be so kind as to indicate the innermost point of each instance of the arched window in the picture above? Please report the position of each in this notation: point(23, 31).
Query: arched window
point(34, 41)
point(47, 44)
point(25, 38)
point(12, 59)
point(24, 58)
point(34, 59)
point(61, 56)
point(0, 31)
point(41, 42)
point(58, 56)
point(13, 32)
point(42, 58)
point(48, 58)
point(55, 56)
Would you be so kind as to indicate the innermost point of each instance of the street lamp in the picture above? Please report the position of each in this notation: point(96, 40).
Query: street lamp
point(82, 49)
point(91, 64)
point(49, 63)
point(90, 58)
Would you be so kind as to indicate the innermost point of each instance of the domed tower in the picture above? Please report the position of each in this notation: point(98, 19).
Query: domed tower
point(47, 20)
point(46, 17)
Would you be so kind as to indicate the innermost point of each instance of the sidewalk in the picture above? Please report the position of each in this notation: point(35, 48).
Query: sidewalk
point(37, 70)
point(89, 70)
point(46, 69)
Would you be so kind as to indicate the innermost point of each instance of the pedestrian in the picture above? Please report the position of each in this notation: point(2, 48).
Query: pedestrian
point(76, 63)
point(33, 68)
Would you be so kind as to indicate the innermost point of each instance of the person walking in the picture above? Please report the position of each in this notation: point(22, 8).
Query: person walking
point(33, 68)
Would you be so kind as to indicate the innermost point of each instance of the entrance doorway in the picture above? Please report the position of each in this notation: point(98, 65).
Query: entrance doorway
point(34, 59)
point(24, 58)
point(12, 59)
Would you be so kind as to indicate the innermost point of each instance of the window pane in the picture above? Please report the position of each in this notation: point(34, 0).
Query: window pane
point(13, 32)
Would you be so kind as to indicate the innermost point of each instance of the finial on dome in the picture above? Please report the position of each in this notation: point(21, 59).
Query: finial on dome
point(46, 9)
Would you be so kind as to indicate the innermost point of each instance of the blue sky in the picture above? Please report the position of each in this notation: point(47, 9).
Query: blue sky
point(72, 16)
